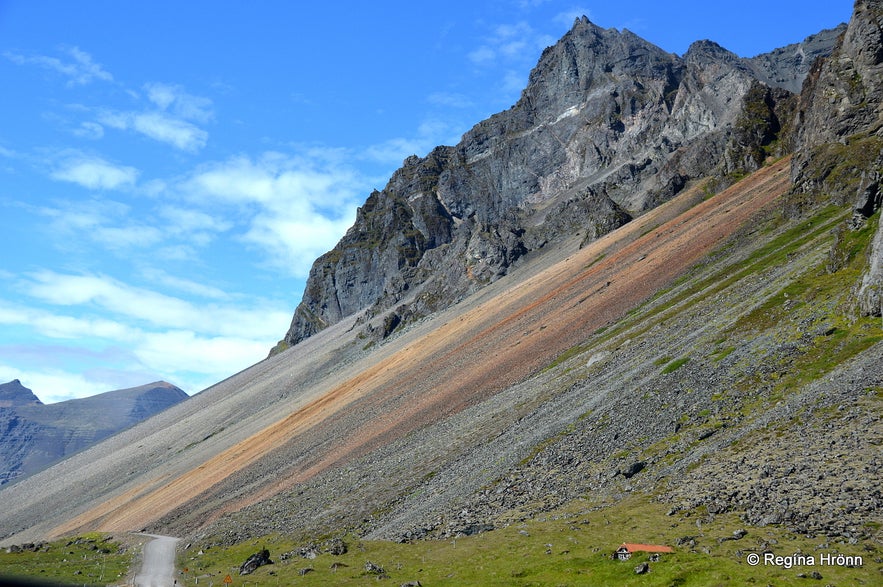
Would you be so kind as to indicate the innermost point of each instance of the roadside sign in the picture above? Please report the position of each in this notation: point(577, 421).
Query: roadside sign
point(228, 580)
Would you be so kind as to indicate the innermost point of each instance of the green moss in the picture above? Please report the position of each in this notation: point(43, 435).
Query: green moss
point(675, 365)
point(836, 168)
point(282, 345)
point(722, 354)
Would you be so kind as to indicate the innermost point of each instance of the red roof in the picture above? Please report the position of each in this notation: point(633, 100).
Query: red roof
point(645, 547)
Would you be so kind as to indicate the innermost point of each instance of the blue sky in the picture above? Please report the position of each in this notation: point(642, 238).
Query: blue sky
point(170, 170)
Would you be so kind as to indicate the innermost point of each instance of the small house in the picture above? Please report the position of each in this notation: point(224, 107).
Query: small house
point(626, 551)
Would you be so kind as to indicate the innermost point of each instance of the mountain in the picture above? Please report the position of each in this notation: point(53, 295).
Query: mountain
point(653, 276)
point(608, 127)
point(14, 394)
point(34, 435)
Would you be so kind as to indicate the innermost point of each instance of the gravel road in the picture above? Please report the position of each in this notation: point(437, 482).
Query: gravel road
point(158, 565)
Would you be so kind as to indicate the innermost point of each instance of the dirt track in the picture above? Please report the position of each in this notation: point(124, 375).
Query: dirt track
point(488, 344)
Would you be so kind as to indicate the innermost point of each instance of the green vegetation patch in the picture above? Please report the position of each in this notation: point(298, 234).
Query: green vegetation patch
point(675, 365)
point(567, 547)
point(814, 319)
point(90, 559)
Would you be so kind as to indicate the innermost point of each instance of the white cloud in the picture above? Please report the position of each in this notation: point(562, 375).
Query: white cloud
point(144, 332)
point(81, 71)
point(171, 118)
point(101, 221)
point(51, 385)
point(194, 226)
point(483, 54)
point(94, 172)
point(158, 126)
point(108, 294)
point(177, 351)
point(53, 325)
point(173, 98)
point(179, 133)
point(187, 286)
point(511, 43)
point(295, 207)
point(146, 307)
point(430, 133)
point(89, 130)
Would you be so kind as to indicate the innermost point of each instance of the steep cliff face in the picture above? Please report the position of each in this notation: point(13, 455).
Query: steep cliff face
point(839, 143)
point(34, 435)
point(608, 127)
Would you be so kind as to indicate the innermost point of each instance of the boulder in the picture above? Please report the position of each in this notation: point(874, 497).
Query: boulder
point(256, 560)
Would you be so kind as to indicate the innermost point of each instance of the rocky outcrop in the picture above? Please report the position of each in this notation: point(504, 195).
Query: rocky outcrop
point(840, 114)
point(14, 394)
point(34, 435)
point(870, 293)
point(839, 142)
point(608, 127)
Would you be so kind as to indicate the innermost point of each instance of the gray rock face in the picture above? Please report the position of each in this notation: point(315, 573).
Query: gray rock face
point(840, 138)
point(608, 127)
point(34, 435)
point(870, 295)
point(14, 394)
point(787, 67)
point(840, 115)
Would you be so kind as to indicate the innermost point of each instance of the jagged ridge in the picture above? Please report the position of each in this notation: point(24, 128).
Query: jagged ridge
point(608, 127)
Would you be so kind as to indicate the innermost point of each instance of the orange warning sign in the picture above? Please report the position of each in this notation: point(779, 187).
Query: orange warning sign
point(228, 580)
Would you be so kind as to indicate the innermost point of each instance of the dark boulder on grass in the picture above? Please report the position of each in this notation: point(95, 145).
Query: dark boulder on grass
point(256, 560)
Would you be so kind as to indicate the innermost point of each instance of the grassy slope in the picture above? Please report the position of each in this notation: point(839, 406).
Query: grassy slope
point(570, 546)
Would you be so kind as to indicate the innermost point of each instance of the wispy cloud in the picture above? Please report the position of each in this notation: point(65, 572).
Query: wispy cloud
point(89, 130)
point(146, 307)
point(296, 206)
point(107, 223)
point(141, 330)
point(79, 71)
point(174, 99)
point(429, 133)
point(56, 385)
point(171, 117)
point(93, 172)
point(507, 42)
point(158, 126)
point(187, 286)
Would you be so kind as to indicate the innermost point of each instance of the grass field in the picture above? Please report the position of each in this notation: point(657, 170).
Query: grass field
point(91, 559)
point(572, 546)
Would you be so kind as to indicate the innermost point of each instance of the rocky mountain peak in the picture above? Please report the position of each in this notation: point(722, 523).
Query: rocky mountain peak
point(608, 127)
point(15, 394)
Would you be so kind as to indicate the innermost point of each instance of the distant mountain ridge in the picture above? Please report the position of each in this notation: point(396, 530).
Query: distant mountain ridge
point(608, 127)
point(33, 435)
